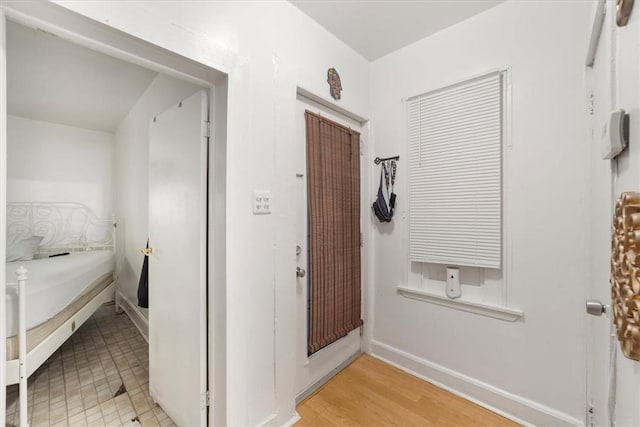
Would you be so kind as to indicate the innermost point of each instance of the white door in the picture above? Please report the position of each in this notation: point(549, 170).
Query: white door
point(311, 369)
point(177, 264)
point(612, 84)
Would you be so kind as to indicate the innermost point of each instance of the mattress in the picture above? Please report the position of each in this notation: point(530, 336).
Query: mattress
point(53, 284)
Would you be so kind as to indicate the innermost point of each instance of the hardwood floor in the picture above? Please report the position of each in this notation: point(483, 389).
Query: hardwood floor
point(372, 393)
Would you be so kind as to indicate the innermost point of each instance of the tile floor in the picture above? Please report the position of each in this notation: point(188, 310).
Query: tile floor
point(99, 377)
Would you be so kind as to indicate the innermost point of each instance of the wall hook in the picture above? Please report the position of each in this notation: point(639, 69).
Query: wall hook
point(378, 160)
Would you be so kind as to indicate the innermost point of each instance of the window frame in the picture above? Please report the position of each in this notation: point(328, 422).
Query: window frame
point(495, 300)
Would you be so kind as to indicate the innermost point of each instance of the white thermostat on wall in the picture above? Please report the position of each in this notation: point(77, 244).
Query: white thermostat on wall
point(616, 134)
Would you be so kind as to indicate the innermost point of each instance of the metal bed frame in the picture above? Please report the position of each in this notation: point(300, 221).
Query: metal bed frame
point(65, 227)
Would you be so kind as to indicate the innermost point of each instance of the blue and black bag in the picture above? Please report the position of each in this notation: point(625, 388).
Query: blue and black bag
point(382, 209)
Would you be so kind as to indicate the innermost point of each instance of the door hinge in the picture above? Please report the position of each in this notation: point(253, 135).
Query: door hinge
point(206, 129)
point(361, 240)
point(361, 147)
point(590, 415)
point(205, 399)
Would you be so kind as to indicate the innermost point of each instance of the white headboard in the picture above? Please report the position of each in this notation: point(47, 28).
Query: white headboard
point(64, 226)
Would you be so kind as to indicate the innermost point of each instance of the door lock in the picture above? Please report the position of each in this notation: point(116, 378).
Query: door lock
point(300, 272)
point(595, 307)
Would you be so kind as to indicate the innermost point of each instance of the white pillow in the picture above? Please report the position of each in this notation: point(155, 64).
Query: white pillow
point(24, 250)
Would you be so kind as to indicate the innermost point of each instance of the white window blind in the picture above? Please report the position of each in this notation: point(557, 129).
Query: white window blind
point(455, 174)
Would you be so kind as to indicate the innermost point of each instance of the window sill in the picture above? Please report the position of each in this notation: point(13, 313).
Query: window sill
point(497, 312)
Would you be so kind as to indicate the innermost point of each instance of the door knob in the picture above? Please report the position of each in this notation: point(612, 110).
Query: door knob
point(595, 307)
point(300, 272)
point(146, 251)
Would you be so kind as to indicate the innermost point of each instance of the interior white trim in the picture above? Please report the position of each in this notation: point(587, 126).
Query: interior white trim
point(97, 36)
point(497, 312)
point(131, 310)
point(331, 106)
point(3, 211)
point(416, 279)
point(294, 419)
point(509, 405)
point(596, 30)
point(269, 422)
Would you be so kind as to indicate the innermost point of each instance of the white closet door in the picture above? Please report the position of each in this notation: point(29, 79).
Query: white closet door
point(177, 265)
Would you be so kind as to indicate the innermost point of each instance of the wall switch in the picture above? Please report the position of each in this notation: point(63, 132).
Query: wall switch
point(261, 202)
point(453, 283)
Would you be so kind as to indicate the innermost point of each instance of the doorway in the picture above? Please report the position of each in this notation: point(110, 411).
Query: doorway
point(210, 167)
point(326, 342)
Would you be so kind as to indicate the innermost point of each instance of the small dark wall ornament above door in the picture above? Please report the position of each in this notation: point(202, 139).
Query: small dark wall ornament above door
point(335, 85)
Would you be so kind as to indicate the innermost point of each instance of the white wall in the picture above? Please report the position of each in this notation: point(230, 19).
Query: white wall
point(533, 369)
point(268, 48)
point(49, 162)
point(132, 178)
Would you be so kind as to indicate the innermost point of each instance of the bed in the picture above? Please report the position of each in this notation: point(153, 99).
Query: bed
point(61, 292)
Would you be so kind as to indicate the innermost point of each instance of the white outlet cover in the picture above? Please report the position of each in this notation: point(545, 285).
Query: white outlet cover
point(453, 283)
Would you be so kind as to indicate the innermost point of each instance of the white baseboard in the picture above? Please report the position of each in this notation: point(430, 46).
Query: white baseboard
point(509, 405)
point(269, 422)
point(141, 323)
point(294, 419)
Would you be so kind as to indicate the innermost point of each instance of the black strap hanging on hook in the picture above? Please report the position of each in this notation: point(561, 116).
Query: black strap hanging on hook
point(392, 195)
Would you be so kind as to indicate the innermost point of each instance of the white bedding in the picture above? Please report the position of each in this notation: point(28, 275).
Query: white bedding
point(52, 283)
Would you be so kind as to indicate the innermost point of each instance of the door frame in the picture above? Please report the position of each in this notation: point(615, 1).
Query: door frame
point(366, 228)
point(100, 37)
point(608, 372)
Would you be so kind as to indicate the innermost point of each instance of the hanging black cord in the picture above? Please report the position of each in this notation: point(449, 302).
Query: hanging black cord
point(392, 195)
point(385, 168)
point(394, 169)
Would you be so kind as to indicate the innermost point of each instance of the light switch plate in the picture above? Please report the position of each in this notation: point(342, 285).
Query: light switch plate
point(261, 202)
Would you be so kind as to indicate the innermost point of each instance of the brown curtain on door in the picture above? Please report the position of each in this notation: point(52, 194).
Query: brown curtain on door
point(333, 180)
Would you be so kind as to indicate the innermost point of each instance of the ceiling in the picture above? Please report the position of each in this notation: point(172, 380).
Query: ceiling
point(374, 28)
point(53, 80)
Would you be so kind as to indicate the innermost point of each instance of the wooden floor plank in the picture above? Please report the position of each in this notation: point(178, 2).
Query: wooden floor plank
point(372, 393)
